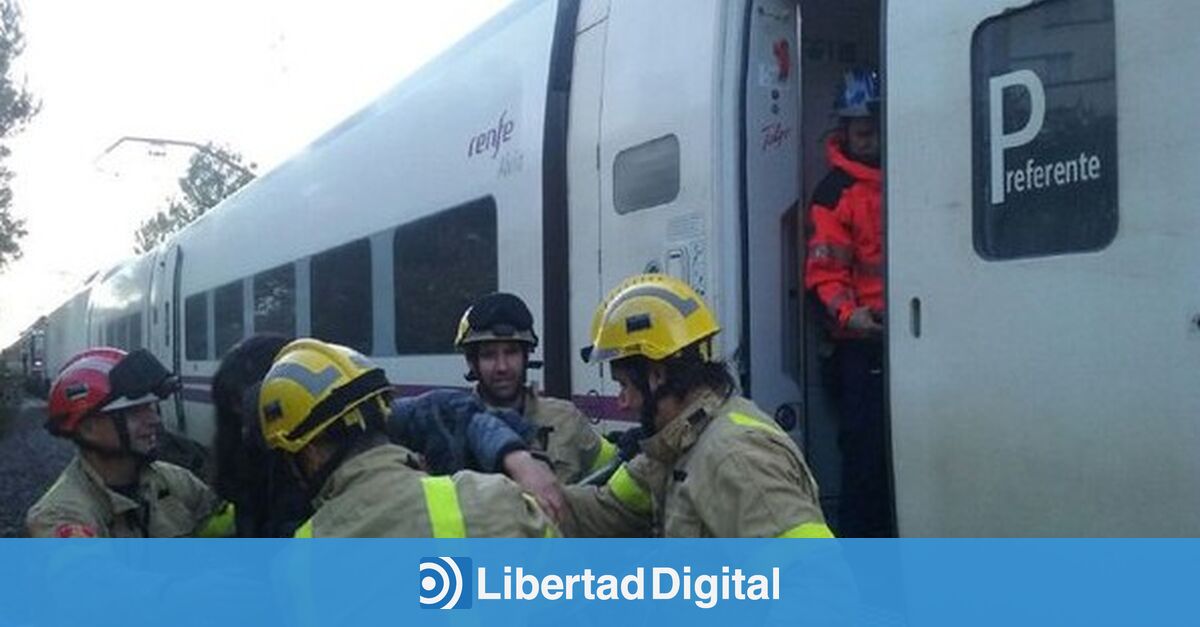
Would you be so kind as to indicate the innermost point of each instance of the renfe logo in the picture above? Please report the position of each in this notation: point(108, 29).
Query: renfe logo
point(492, 139)
point(443, 581)
point(1030, 175)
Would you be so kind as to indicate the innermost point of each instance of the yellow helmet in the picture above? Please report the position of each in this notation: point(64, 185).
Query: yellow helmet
point(312, 385)
point(652, 315)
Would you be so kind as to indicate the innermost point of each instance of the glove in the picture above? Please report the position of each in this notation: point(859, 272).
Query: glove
point(629, 442)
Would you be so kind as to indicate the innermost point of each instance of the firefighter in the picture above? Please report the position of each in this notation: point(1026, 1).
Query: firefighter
point(845, 269)
point(496, 336)
point(105, 401)
point(715, 465)
point(325, 407)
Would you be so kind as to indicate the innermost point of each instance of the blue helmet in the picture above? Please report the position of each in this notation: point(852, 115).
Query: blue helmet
point(859, 97)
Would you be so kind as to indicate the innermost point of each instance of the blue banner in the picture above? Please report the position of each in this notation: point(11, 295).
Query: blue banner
point(613, 583)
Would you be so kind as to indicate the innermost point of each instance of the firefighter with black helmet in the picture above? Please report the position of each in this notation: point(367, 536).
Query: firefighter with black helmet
point(325, 407)
point(715, 465)
point(497, 338)
point(105, 401)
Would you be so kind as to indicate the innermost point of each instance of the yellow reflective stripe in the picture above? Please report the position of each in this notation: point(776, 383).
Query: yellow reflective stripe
point(549, 531)
point(220, 525)
point(305, 530)
point(747, 421)
point(607, 452)
point(628, 492)
point(441, 500)
point(808, 530)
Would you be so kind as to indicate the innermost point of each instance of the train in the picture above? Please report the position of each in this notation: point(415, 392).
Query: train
point(1043, 322)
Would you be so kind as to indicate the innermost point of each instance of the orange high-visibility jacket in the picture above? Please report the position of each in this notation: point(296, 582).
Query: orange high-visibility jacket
point(845, 252)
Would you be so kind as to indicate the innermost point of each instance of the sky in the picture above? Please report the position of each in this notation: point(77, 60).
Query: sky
point(263, 77)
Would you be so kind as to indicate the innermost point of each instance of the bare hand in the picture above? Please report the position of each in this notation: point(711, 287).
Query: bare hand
point(537, 479)
point(863, 320)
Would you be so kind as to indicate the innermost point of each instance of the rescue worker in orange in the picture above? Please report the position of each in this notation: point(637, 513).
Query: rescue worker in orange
point(496, 336)
point(325, 407)
point(105, 401)
point(845, 269)
point(715, 465)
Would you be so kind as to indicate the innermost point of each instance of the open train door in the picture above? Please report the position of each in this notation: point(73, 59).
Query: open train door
point(1044, 347)
point(770, 203)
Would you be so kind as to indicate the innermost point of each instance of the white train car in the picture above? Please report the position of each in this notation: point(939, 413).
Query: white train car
point(1043, 343)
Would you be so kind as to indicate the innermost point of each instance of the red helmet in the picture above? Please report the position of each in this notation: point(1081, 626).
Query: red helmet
point(105, 379)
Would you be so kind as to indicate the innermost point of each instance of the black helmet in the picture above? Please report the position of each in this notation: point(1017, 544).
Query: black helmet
point(496, 317)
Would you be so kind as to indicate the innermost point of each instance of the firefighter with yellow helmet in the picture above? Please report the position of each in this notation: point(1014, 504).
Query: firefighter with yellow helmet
point(497, 339)
point(325, 407)
point(715, 465)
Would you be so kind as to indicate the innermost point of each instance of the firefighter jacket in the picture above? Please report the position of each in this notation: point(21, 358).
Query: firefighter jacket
point(721, 469)
point(567, 438)
point(169, 502)
point(376, 494)
point(845, 251)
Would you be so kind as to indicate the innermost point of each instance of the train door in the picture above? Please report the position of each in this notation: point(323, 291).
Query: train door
point(163, 339)
point(834, 36)
point(583, 174)
point(771, 199)
point(658, 152)
point(1042, 244)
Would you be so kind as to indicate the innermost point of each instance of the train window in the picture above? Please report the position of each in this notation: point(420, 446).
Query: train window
point(275, 300)
point(341, 296)
point(646, 175)
point(135, 331)
point(1044, 103)
point(195, 310)
point(442, 264)
point(228, 325)
point(114, 334)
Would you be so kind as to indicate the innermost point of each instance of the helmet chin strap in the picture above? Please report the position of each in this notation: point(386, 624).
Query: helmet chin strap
point(639, 376)
point(124, 449)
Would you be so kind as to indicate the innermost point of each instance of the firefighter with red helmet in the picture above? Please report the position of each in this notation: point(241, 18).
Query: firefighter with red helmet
point(845, 269)
point(106, 401)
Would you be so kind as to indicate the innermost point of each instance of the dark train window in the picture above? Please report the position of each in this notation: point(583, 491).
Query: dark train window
point(135, 331)
point(646, 175)
point(341, 296)
point(1044, 101)
point(442, 264)
point(275, 300)
point(115, 334)
point(228, 324)
point(195, 326)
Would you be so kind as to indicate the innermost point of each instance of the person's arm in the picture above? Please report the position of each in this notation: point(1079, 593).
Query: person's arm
point(62, 523)
point(622, 507)
point(827, 269)
point(212, 516)
point(760, 489)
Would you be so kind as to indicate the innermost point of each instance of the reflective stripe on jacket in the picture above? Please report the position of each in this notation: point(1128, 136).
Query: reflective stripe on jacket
point(721, 469)
point(845, 253)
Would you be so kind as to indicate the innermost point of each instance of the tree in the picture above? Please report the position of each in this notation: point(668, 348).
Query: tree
point(213, 174)
point(17, 106)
